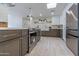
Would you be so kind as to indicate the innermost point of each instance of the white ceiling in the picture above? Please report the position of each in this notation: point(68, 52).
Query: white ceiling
point(37, 8)
point(60, 7)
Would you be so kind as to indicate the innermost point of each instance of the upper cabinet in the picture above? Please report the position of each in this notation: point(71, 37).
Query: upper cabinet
point(74, 9)
point(3, 13)
point(72, 17)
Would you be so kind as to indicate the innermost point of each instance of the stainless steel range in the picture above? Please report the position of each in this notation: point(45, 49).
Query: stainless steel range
point(33, 38)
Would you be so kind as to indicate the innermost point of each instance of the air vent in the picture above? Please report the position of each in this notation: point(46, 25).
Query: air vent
point(9, 4)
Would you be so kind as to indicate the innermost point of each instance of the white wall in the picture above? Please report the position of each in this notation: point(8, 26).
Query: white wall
point(14, 20)
point(3, 13)
point(56, 20)
point(63, 21)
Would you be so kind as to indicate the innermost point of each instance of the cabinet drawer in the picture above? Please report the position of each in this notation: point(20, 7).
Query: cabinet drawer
point(10, 48)
point(3, 32)
point(9, 34)
point(51, 33)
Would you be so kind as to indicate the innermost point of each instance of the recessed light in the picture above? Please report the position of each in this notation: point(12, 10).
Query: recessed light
point(25, 9)
point(51, 5)
point(40, 14)
point(52, 13)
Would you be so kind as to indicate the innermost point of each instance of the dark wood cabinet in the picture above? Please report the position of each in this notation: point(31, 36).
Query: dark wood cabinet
point(24, 42)
point(24, 45)
point(13, 42)
point(52, 33)
point(38, 35)
point(10, 48)
point(16, 42)
point(9, 34)
point(72, 43)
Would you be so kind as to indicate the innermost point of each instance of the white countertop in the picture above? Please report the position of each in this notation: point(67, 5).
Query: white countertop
point(11, 28)
point(57, 28)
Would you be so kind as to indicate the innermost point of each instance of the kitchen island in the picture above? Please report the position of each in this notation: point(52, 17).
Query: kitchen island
point(13, 41)
point(16, 41)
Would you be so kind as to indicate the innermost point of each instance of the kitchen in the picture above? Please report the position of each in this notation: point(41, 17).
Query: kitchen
point(31, 29)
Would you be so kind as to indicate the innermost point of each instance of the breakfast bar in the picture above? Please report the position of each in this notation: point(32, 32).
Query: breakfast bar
point(13, 41)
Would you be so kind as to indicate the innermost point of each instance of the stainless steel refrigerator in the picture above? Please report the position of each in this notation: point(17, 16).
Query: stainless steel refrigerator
point(72, 37)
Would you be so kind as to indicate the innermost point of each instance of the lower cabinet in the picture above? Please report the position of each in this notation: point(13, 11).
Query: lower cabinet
point(24, 45)
point(38, 35)
point(16, 42)
point(72, 43)
point(52, 33)
point(10, 48)
point(14, 45)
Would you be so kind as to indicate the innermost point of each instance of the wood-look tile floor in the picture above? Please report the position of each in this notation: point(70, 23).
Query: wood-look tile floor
point(50, 46)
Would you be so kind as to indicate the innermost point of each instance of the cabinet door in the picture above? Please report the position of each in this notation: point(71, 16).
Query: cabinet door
point(72, 44)
point(10, 48)
point(38, 35)
point(43, 33)
point(24, 45)
point(25, 32)
point(9, 34)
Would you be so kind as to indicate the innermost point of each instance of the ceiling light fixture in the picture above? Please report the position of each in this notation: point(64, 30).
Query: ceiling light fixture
point(51, 5)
